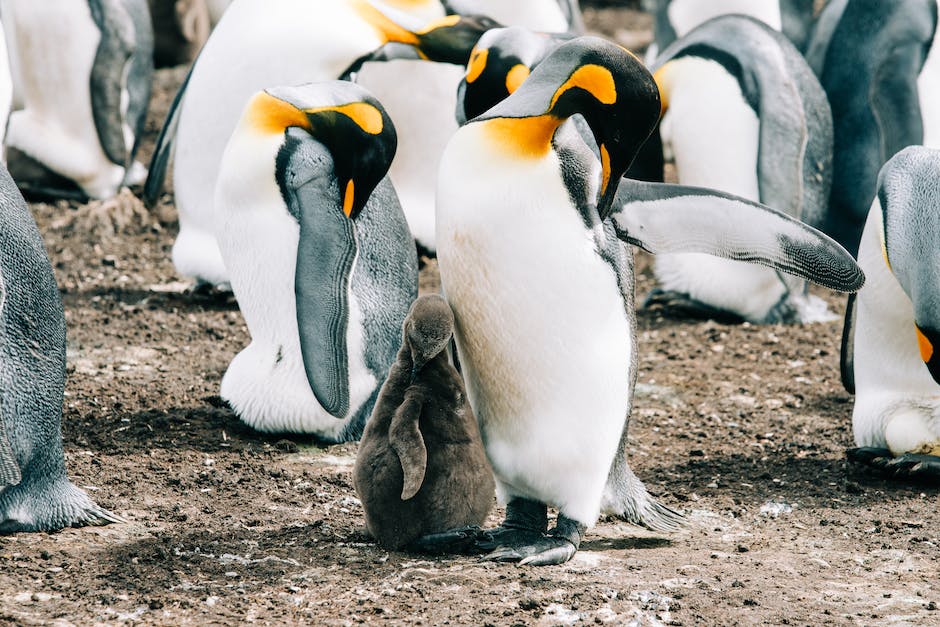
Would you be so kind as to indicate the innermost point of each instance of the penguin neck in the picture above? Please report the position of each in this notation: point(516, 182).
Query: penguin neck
point(423, 11)
point(527, 138)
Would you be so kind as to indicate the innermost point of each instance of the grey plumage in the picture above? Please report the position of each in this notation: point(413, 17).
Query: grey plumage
point(421, 468)
point(35, 494)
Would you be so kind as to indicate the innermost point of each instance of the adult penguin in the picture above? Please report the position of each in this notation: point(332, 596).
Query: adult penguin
point(421, 97)
point(542, 290)
point(881, 71)
point(279, 42)
point(82, 72)
point(673, 19)
point(321, 260)
point(35, 493)
point(744, 113)
point(890, 358)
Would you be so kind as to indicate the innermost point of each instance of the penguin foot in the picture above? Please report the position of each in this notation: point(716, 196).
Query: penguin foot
point(685, 305)
point(526, 521)
point(50, 508)
point(456, 541)
point(557, 547)
point(907, 466)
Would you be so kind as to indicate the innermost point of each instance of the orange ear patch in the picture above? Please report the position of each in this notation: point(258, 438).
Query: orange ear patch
point(594, 79)
point(516, 77)
point(269, 115)
point(926, 348)
point(529, 138)
point(365, 115)
point(477, 64)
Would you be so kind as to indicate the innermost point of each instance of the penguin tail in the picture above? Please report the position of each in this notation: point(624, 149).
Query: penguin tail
point(626, 498)
point(50, 507)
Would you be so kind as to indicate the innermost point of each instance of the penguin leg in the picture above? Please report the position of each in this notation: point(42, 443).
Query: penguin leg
point(908, 466)
point(460, 541)
point(526, 521)
point(687, 305)
point(556, 547)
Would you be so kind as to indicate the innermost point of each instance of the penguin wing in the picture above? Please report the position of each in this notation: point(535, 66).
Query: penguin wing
point(141, 72)
point(847, 355)
point(164, 147)
point(662, 218)
point(326, 251)
point(117, 44)
point(405, 438)
point(895, 100)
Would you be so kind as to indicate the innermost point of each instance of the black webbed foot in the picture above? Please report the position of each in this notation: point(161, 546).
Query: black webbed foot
point(526, 521)
point(556, 547)
point(462, 541)
point(907, 466)
point(684, 305)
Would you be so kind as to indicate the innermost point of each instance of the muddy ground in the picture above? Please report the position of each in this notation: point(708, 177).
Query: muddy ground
point(743, 428)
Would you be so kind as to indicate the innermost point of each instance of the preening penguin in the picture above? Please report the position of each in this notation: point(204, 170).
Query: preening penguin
point(744, 113)
point(880, 67)
point(82, 71)
point(528, 224)
point(35, 493)
point(421, 468)
point(893, 327)
point(321, 260)
point(277, 42)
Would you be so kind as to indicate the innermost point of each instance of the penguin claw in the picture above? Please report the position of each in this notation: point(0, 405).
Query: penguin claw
point(462, 541)
point(906, 466)
point(546, 551)
point(501, 538)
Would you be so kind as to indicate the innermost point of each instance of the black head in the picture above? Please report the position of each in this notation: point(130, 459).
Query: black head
point(450, 39)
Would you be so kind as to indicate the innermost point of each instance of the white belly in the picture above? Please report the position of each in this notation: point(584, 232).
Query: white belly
point(897, 402)
point(685, 15)
point(541, 328)
point(928, 87)
point(257, 45)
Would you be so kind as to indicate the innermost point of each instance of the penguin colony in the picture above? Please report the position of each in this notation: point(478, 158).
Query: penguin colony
point(307, 176)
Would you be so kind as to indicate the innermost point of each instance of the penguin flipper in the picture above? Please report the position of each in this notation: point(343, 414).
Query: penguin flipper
point(895, 99)
point(117, 44)
point(160, 160)
point(326, 251)
point(408, 443)
point(663, 218)
point(847, 354)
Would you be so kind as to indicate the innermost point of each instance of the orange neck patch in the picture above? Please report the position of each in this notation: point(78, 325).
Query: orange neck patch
point(662, 78)
point(366, 116)
point(387, 29)
point(594, 79)
point(926, 348)
point(529, 138)
point(269, 115)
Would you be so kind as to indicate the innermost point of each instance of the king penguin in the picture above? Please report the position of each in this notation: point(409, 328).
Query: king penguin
point(531, 231)
point(278, 42)
point(673, 19)
point(421, 98)
point(82, 71)
point(744, 113)
point(892, 333)
point(35, 493)
point(322, 263)
point(881, 71)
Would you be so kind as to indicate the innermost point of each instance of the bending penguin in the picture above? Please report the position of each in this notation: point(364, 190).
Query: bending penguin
point(673, 19)
point(35, 493)
point(421, 472)
point(280, 42)
point(421, 97)
point(879, 63)
point(82, 72)
point(322, 263)
point(744, 113)
point(531, 231)
point(890, 358)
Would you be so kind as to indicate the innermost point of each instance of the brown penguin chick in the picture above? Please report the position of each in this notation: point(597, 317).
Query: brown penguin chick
point(421, 470)
point(180, 28)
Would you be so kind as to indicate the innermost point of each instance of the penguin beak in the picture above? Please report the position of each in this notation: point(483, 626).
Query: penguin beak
point(927, 340)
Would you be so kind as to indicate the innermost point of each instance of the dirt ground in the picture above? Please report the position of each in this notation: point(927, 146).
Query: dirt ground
point(743, 428)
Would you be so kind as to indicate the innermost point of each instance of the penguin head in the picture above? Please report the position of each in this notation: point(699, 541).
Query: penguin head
point(599, 80)
point(427, 330)
point(502, 59)
point(909, 197)
point(450, 39)
point(348, 121)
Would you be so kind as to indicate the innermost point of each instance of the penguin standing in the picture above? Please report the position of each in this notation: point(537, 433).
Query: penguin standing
point(890, 357)
point(421, 468)
point(35, 493)
point(542, 290)
point(744, 113)
point(881, 70)
point(278, 42)
point(420, 97)
point(82, 72)
point(322, 263)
